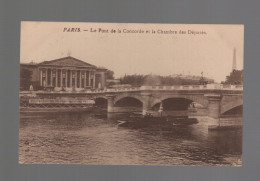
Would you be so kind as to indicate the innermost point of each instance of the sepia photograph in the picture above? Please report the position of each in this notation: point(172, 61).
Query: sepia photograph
point(131, 93)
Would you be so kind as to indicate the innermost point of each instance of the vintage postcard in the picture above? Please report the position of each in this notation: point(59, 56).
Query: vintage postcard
point(131, 94)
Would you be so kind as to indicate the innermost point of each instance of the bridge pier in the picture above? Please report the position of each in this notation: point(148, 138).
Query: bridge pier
point(110, 103)
point(214, 103)
point(146, 102)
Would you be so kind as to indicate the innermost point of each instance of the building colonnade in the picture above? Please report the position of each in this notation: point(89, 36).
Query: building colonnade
point(74, 78)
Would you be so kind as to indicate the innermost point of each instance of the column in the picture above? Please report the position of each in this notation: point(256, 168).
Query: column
point(46, 77)
point(89, 78)
point(85, 79)
point(41, 77)
point(70, 78)
point(66, 82)
point(80, 79)
point(51, 77)
point(56, 77)
point(214, 103)
point(146, 102)
point(76, 79)
point(110, 103)
point(61, 78)
point(94, 80)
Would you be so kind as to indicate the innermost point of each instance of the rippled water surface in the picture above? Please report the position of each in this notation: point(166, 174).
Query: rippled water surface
point(84, 138)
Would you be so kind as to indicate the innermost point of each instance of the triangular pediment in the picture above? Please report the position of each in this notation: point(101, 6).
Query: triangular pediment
point(67, 62)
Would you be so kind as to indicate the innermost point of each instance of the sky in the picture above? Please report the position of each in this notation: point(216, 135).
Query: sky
point(129, 48)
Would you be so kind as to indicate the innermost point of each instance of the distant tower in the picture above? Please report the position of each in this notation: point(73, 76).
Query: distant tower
point(234, 66)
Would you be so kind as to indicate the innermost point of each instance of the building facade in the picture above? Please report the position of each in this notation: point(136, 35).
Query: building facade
point(67, 73)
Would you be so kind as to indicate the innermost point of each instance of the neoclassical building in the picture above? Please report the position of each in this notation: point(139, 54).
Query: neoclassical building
point(68, 73)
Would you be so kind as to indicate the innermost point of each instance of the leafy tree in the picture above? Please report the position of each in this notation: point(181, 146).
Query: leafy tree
point(25, 79)
point(110, 74)
point(134, 80)
point(139, 80)
point(235, 77)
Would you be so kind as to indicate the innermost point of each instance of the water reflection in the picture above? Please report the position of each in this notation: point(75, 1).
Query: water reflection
point(96, 139)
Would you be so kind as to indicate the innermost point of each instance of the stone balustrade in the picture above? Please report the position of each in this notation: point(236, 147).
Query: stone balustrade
point(151, 88)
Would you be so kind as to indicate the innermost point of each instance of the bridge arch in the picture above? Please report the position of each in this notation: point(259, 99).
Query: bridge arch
point(229, 103)
point(173, 104)
point(201, 99)
point(238, 110)
point(122, 96)
point(101, 101)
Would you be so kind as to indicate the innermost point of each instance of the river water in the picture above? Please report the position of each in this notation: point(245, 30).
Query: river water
point(88, 138)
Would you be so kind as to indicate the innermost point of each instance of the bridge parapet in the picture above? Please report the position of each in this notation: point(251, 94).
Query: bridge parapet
point(194, 87)
point(143, 88)
point(127, 89)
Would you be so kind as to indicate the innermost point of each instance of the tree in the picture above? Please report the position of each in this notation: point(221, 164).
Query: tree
point(134, 80)
point(25, 79)
point(157, 80)
point(235, 77)
point(110, 74)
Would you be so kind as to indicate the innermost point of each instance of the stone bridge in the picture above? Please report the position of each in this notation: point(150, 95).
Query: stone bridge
point(215, 98)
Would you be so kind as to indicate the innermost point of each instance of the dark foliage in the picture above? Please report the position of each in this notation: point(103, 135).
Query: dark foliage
point(110, 74)
point(139, 80)
point(25, 79)
point(235, 78)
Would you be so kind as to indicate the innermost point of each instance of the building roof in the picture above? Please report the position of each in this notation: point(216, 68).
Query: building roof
point(67, 62)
